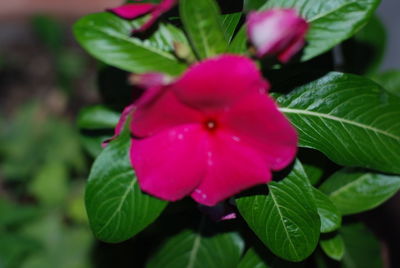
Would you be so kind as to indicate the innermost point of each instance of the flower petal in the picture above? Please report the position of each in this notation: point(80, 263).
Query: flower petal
point(132, 11)
point(277, 31)
point(217, 83)
point(161, 8)
point(159, 109)
point(257, 122)
point(172, 163)
point(232, 167)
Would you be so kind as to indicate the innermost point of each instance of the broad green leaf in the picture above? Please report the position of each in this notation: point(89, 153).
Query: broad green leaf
point(329, 214)
point(238, 44)
point(197, 249)
point(348, 118)
point(333, 247)
point(364, 53)
point(116, 207)
point(230, 23)
point(202, 23)
point(362, 248)
point(286, 219)
point(252, 260)
point(97, 117)
point(389, 80)
point(330, 22)
point(314, 173)
point(107, 38)
point(353, 191)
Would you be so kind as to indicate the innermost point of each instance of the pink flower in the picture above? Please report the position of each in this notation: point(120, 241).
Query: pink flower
point(277, 32)
point(211, 134)
point(133, 11)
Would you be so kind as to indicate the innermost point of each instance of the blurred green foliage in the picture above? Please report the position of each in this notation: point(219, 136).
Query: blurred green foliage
point(42, 214)
point(43, 221)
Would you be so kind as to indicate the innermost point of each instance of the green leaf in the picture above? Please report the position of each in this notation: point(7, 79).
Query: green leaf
point(252, 260)
point(230, 23)
point(198, 249)
point(362, 248)
point(238, 44)
point(330, 23)
point(389, 80)
point(314, 173)
point(333, 247)
point(202, 23)
point(116, 207)
point(353, 191)
point(97, 117)
point(107, 38)
point(364, 53)
point(329, 214)
point(348, 118)
point(286, 219)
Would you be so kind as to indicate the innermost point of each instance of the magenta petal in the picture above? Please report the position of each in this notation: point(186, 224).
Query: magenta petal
point(172, 163)
point(159, 109)
point(257, 122)
point(217, 83)
point(132, 11)
point(232, 167)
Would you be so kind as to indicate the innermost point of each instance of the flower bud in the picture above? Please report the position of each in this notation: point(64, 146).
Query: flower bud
point(278, 32)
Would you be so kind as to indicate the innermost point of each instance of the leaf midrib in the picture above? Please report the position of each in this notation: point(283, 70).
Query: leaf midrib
point(342, 120)
point(124, 196)
point(282, 221)
point(349, 185)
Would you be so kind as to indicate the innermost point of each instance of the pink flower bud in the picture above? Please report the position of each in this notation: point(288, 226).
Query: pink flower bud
point(277, 32)
point(133, 11)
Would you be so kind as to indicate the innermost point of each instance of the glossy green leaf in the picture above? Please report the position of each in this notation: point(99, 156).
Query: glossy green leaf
point(238, 44)
point(116, 207)
point(362, 248)
point(333, 247)
point(354, 191)
point(330, 22)
point(196, 249)
point(107, 38)
point(252, 260)
point(329, 214)
point(97, 117)
point(286, 219)
point(203, 25)
point(230, 23)
point(314, 173)
point(364, 53)
point(348, 118)
point(389, 80)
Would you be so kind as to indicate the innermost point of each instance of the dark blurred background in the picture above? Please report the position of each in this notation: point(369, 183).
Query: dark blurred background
point(45, 79)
